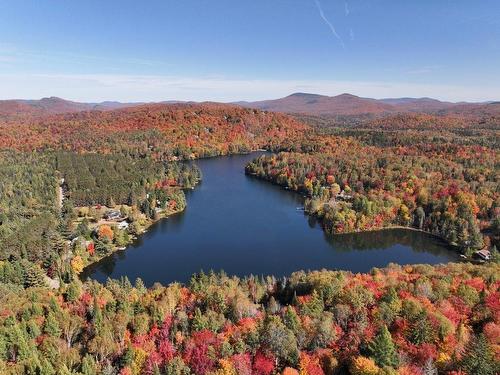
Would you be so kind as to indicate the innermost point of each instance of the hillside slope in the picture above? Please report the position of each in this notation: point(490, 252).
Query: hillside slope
point(345, 104)
point(170, 129)
point(352, 105)
point(20, 108)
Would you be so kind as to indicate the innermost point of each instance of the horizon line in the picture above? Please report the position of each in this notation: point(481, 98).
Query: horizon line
point(96, 88)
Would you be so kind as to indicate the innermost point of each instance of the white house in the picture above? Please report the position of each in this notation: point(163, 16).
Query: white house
point(122, 225)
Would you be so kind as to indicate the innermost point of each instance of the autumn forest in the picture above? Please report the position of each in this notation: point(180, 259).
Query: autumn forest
point(77, 184)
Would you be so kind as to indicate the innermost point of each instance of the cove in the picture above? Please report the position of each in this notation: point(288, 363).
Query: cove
point(244, 226)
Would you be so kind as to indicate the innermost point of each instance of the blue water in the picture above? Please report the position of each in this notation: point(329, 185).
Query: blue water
point(244, 226)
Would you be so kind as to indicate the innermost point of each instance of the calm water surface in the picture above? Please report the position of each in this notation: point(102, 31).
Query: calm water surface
point(244, 226)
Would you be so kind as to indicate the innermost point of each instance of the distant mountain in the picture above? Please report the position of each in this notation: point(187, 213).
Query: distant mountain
point(418, 104)
point(345, 104)
point(351, 105)
point(53, 105)
point(109, 105)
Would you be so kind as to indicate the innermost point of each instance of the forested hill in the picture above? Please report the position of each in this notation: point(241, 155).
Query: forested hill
point(185, 130)
point(352, 105)
point(19, 108)
point(421, 171)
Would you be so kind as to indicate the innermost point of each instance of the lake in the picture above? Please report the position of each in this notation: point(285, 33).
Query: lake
point(244, 226)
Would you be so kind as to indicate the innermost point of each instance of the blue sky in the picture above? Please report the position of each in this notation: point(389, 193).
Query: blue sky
point(226, 50)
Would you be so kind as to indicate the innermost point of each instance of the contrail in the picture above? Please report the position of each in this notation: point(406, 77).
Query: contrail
point(322, 15)
point(346, 6)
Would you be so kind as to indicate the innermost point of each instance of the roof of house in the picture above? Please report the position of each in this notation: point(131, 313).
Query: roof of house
point(483, 253)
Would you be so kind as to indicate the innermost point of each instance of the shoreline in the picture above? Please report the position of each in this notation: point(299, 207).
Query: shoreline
point(148, 224)
point(133, 238)
point(453, 247)
point(391, 227)
point(151, 222)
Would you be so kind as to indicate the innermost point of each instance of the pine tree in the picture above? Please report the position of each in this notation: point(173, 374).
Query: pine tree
point(495, 254)
point(64, 228)
point(127, 358)
point(272, 306)
point(88, 365)
point(32, 329)
point(475, 236)
point(199, 322)
point(177, 367)
point(51, 326)
point(139, 285)
point(73, 292)
point(33, 275)
point(97, 317)
point(3, 348)
point(19, 343)
point(382, 349)
point(421, 331)
point(63, 370)
point(315, 306)
point(478, 358)
point(291, 319)
point(110, 202)
point(46, 368)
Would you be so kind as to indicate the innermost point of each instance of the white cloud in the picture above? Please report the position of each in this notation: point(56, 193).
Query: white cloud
point(328, 23)
point(99, 87)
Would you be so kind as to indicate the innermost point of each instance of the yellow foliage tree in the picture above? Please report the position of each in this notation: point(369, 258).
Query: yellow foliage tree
point(404, 215)
point(140, 356)
point(364, 366)
point(226, 368)
point(77, 264)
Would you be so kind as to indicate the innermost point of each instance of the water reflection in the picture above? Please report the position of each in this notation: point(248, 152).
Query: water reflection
point(246, 226)
point(383, 239)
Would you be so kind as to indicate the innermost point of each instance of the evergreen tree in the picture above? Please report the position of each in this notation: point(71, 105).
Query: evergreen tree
point(495, 254)
point(18, 344)
point(97, 317)
point(110, 202)
point(199, 321)
point(127, 358)
point(421, 331)
point(33, 275)
point(419, 217)
point(291, 319)
point(177, 367)
point(72, 292)
point(3, 348)
point(46, 368)
point(382, 349)
point(475, 236)
point(51, 326)
point(315, 306)
point(54, 306)
point(272, 306)
point(83, 229)
point(88, 365)
point(139, 285)
point(63, 370)
point(32, 329)
point(478, 358)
